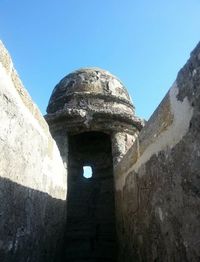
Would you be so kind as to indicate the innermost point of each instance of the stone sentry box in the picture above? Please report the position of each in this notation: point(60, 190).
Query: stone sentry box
point(92, 119)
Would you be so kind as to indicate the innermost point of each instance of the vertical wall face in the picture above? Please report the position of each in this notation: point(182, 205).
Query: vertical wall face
point(33, 182)
point(158, 182)
point(90, 228)
point(121, 143)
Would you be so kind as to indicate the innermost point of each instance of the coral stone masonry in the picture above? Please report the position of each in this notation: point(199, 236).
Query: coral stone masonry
point(141, 201)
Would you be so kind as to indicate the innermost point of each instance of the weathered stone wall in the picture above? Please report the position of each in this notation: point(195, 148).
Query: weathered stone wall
point(158, 181)
point(33, 180)
point(121, 143)
point(90, 227)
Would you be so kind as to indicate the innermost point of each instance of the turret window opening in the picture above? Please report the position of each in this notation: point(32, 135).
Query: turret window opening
point(87, 172)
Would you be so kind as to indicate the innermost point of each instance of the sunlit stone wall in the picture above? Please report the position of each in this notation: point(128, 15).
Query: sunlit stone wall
point(158, 180)
point(33, 181)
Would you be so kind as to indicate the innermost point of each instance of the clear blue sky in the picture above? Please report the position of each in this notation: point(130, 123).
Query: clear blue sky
point(143, 42)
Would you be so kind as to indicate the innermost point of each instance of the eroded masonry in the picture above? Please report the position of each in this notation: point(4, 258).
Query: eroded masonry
point(141, 199)
point(91, 117)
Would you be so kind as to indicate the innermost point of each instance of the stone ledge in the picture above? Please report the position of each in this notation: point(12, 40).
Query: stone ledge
point(7, 64)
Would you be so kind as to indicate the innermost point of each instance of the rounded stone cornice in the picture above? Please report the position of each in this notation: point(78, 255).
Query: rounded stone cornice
point(91, 98)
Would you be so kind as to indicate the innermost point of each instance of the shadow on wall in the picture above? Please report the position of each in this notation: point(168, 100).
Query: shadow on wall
point(90, 228)
point(31, 224)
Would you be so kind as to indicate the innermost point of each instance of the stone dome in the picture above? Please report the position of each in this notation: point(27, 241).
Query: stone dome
point(94, 98)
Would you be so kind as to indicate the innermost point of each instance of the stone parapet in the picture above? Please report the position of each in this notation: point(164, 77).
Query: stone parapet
point(157, 182)
point(33, 180)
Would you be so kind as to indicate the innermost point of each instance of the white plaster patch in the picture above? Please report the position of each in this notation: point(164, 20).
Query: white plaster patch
point(182, 113)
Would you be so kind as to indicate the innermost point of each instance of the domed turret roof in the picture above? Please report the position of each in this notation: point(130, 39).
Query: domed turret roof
point(88, 82)
point(91, 98)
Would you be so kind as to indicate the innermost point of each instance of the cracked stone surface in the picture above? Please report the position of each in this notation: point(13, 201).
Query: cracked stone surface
point(158, 181)
point(145, 181)
point(94, 99)
point(33, 182)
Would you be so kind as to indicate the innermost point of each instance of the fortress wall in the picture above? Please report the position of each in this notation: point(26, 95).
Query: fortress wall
point(158, 181)
point(33, 181)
